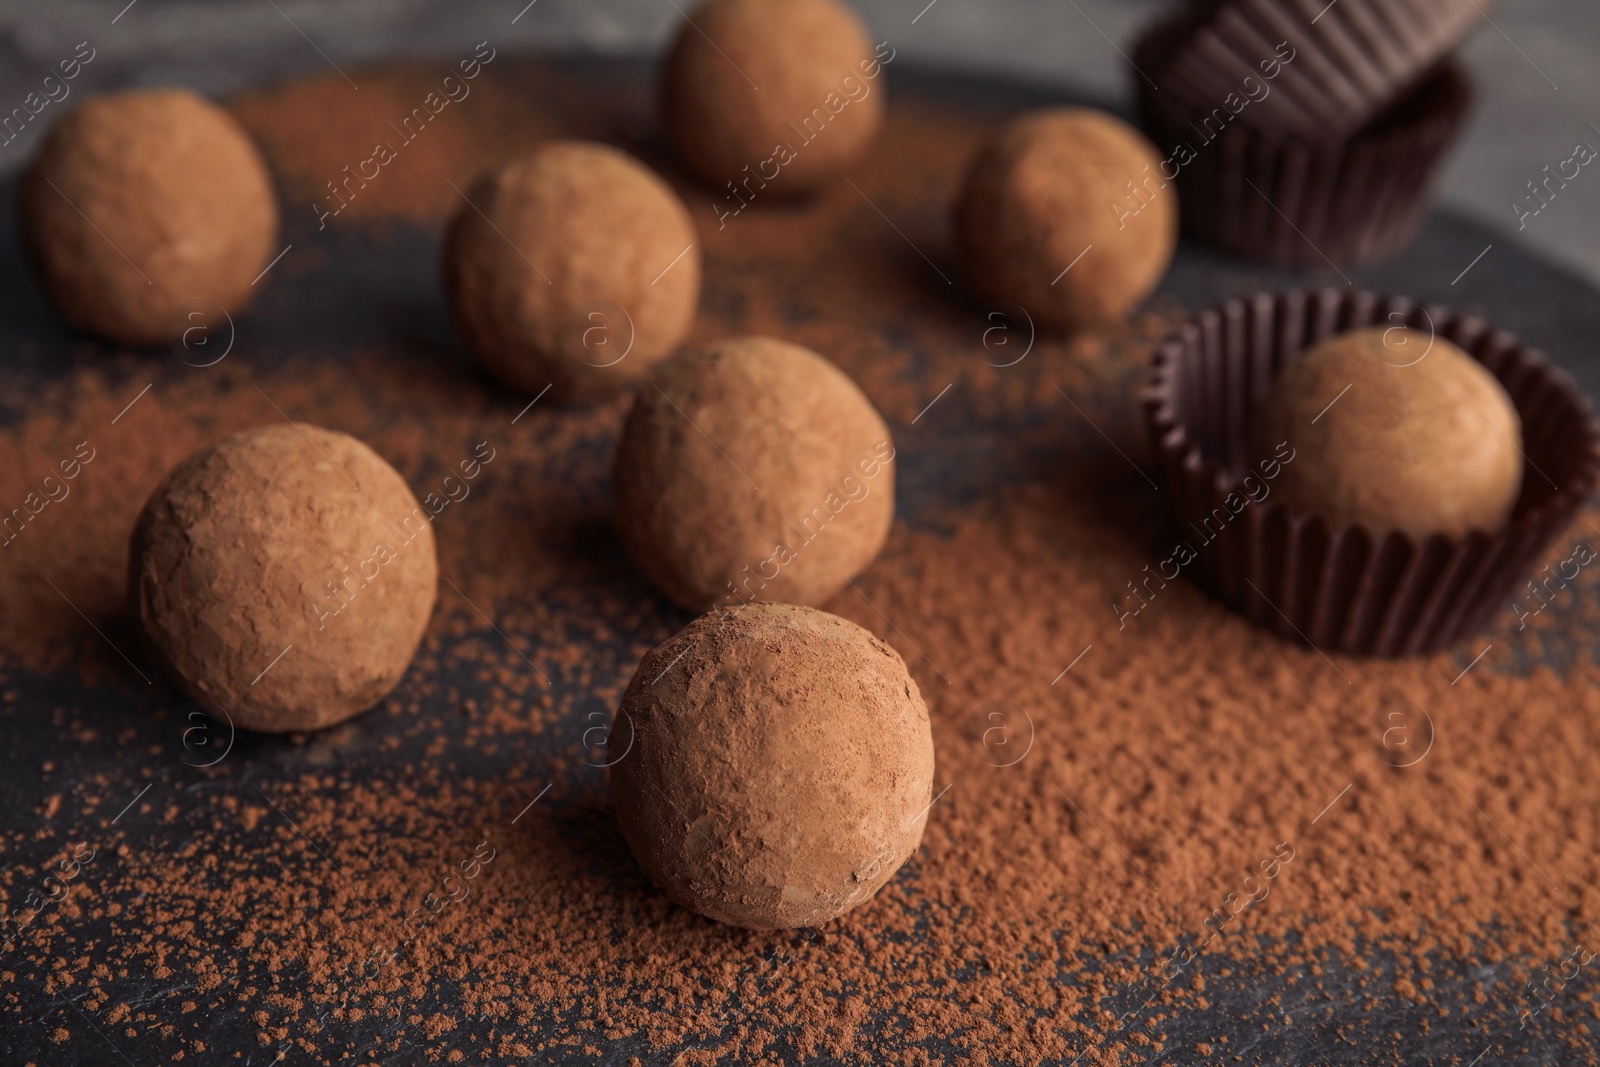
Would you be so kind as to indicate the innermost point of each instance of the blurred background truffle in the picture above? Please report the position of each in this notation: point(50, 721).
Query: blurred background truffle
point(142, 207)
point(784, 92)
point(574, 266)
point(753, 469)
point(1066, 212)
point(1397, 430)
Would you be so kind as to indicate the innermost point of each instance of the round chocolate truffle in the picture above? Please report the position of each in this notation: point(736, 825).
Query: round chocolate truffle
point(285, 575)
point(1065, 212)
point(145, 207)
point(770, 98)
point(753, 469)
point(1396, 430)
point(574, 267)
point(773, 765)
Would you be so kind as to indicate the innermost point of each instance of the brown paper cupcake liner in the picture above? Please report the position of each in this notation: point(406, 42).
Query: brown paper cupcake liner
point(1347, 60)
point(1352, 589)
point(1299, 203)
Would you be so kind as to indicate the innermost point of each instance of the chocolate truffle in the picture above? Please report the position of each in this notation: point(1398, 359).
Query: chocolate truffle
point(145, 207)
point(1396, 430)
point(575, 267)
point(753, 469)
point(285, 576)
point(770, 98)
point(772, 765)
point(1066, 213)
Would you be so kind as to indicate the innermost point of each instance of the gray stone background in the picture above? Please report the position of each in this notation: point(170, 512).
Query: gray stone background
point(1536, 64)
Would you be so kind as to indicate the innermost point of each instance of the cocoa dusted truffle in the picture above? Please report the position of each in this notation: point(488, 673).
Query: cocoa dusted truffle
point(145, 207)
point(573, 266)
point(285, 575)
point(1397, 430)
point(772, 765)
point(779, 93)
point(753, 469)
point(1066, 213)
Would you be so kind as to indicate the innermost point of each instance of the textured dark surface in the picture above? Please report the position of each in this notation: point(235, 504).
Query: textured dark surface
point(368, 290)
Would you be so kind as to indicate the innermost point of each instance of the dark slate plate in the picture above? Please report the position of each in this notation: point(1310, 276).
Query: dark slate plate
point(367, 289)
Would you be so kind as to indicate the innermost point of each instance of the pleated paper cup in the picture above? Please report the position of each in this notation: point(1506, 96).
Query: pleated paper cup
point(1349, 588)
point(1339, 65)
point(1299, 202)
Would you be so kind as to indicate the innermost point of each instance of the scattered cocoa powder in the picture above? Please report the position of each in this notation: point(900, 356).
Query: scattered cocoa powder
point(1424, 835)
point(318, 132)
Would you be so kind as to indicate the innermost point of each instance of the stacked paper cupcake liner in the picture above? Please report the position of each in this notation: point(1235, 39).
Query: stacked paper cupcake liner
point(1305, 143)
point(1353, 58)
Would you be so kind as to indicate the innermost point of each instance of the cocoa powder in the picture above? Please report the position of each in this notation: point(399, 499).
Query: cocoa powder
point(443, 878)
